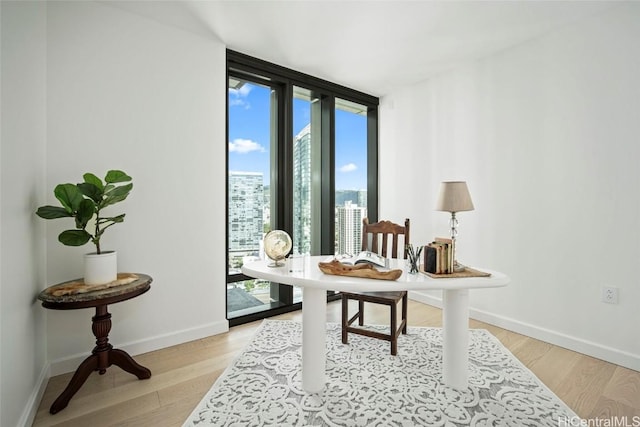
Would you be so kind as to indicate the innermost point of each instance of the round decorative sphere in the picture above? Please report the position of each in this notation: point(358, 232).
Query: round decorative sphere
point(277, 244)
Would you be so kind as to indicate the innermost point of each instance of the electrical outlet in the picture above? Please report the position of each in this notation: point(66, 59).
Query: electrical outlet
point(609, 295)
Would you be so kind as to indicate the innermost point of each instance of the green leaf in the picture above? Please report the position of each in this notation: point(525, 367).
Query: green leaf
point(52, 212)
point(112, 201)
point(90, 178)
point(117, 194)
point(116, 176)
point(74, 237)
point(119, 191)
point(113, 219)
point(69, 195)
point(92, 191)
point(85, 213)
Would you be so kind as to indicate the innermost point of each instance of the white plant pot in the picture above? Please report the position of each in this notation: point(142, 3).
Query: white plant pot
point(100, 268)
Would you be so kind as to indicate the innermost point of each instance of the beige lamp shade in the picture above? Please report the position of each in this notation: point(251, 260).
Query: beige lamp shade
point(454, 197)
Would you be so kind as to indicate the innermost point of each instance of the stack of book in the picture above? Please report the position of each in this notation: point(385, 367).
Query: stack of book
point(438, 256)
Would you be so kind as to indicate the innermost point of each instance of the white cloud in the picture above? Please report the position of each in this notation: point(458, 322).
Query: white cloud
point(237, 97)
point(238, 102)
point(349, 167)
point(244, 146)
point(242, 91)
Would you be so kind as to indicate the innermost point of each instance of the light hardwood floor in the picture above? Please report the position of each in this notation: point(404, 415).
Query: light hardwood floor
point(183, 374)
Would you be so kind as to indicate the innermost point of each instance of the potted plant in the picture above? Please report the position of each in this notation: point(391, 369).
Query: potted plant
point(84, 203)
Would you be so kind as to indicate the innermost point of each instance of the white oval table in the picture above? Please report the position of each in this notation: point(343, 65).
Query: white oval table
point(314, 284)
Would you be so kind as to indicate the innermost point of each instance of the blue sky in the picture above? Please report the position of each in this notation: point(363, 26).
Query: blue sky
point(249, 131)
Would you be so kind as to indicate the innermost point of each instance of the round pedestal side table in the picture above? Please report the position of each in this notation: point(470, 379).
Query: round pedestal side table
point(73, 295)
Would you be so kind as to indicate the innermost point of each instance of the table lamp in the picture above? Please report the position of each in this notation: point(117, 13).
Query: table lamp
point(454, 197)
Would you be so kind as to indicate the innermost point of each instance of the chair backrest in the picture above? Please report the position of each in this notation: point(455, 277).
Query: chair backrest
point(371, 240)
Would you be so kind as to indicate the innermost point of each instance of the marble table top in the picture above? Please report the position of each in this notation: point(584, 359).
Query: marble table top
point(128, 285)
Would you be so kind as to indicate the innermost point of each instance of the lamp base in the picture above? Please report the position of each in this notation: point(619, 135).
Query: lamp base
point(457, 267)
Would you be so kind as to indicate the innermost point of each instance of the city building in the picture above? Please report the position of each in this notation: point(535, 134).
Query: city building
point(302, 191)
point(246, 211)
point(349, 227)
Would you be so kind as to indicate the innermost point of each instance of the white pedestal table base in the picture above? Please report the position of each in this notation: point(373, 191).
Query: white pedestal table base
point(455, 345)
point(314, 336)
point(455, 338)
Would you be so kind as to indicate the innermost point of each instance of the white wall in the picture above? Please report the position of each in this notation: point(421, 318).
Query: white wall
point(22, 188)
point(546, 134)
point(125, 92)
point(86, 87)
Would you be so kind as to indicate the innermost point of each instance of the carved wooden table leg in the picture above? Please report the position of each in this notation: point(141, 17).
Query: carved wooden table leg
point(101, 327)
point(89, 365)
point(102, 356)
point(126, 363)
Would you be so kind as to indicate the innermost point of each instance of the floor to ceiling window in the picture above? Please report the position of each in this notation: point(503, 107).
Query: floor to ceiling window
point(350, 172)
point(302, 157)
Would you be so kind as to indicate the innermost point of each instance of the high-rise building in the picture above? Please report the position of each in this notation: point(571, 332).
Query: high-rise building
point(302, 191)
point(246, 200)
point(349, 227)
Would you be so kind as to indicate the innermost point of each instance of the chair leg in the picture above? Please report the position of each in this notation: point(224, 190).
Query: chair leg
point(394, 332)
point(345, 318)
point(404, 312)
point(360, 312)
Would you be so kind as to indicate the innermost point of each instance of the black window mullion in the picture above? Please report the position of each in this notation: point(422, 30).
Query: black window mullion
point(285, 168)
point(316, 174)
point(372, 164)
point(328, 191)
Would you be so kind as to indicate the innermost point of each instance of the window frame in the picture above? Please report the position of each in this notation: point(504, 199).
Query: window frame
point(283, 81)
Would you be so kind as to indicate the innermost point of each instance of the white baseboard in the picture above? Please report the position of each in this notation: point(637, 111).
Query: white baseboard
point(426, 298)
point(31, 407)
point(70, 363)
point(613, 355)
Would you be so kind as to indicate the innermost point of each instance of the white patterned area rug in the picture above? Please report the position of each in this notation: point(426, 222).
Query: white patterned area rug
point(366, 386)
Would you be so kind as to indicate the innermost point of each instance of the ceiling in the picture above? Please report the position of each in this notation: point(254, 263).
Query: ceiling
point(372, 46)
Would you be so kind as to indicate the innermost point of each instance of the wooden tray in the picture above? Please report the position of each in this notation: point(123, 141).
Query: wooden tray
point(468, 272)
point(78, 286)
point(367, 271)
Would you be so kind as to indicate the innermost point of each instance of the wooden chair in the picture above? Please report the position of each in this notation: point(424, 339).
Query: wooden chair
point(386, 233)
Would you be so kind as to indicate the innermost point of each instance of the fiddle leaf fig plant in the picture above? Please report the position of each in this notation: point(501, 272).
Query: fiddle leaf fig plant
point(84, 202)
